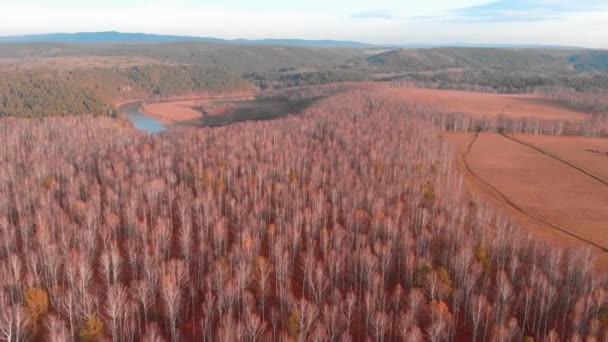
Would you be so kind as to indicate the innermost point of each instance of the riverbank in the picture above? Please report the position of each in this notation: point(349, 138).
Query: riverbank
point(187, 110)
point(172, 112)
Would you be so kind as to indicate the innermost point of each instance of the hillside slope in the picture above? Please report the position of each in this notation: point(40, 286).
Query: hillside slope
point(35, 93)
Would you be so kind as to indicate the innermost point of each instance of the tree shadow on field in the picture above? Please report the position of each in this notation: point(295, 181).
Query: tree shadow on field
point(258, 109)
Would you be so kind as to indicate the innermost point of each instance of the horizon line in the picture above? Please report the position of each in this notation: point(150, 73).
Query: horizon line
point(185, 38)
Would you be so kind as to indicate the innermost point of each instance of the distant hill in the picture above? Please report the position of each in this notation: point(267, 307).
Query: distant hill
point(483, 45)
point(520, 59)
point(112, 37)
point(456, 57)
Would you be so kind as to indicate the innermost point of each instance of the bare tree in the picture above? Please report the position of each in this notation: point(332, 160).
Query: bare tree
point(242, 279)
point(57, 331)
point(14, 323)
point(308, 314)
point(172, 297)
point(67, 304)
point(505, 293)
point(115, 309)
point(142, 294)
point(477, 311)
point(380, 325)
point(152, 334)
point(254, 327)
point(111, 263)
point(318, 283)
point(264, 270)
point(349, 310)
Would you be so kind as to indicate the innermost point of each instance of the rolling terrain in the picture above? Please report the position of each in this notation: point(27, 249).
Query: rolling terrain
point(115, 72)
point(283, 193)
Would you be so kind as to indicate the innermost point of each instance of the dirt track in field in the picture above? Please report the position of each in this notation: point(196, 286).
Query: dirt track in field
point(554, 187)
point(551, 198)
point(558, 158)
point(590, 154)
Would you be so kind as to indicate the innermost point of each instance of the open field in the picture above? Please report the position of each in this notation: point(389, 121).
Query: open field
point(553, 200)
point(488, 104)
point(227, 109)
point(188, 110)
point(555, 186)
point(172, 112)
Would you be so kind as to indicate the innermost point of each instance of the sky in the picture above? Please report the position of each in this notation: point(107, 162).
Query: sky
point(552, 22)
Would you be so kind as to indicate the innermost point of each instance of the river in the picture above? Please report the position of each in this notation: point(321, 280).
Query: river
point(140, 120)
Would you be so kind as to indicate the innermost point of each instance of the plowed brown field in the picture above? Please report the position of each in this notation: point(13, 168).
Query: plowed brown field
point(548, 197)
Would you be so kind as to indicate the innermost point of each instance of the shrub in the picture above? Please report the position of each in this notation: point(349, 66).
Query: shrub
point(293, 324)
point(92, 329)
point(446, 281)
point(482, 256)
point(429, 192)
point(47, 182)
point(420, 275)
point(37, 304)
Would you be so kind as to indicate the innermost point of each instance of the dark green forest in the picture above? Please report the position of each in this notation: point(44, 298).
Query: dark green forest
point(31, 87)
point(33, 93)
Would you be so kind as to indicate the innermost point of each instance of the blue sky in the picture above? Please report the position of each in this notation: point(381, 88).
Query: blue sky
point(560, 22)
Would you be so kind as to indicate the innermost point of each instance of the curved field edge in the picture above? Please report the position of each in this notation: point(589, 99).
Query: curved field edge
point(512, 203)
point(491, 182)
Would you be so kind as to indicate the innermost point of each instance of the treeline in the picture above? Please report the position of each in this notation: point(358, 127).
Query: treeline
point(290, 77)
point(594, 126)
point(347, 223)
point(414, 60)
point(47, 92)
point(500, 81)
point(592, 102)
point(320, 91)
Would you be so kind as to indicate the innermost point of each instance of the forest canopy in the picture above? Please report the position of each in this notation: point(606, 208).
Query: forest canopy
point(44, 92)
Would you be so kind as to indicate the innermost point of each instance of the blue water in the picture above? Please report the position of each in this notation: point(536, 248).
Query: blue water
point(146, 123)
point(142, 121)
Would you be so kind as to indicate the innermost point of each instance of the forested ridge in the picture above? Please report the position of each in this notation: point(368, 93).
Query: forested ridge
point(34, 82)
point(34, 93)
